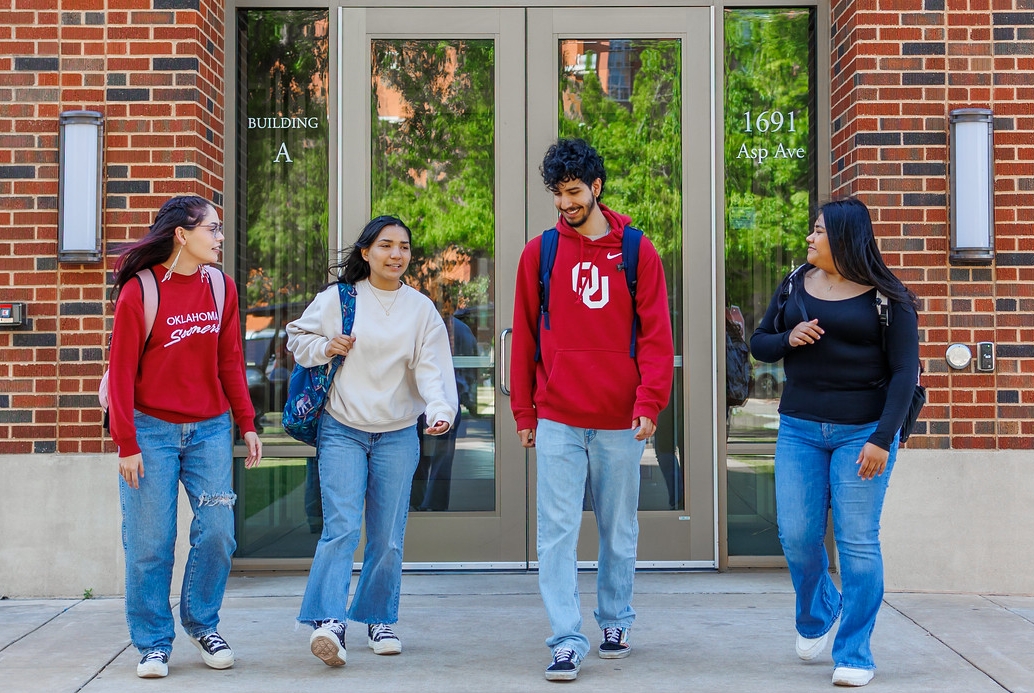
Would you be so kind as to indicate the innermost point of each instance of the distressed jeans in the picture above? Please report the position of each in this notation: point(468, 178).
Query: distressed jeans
point(815, 469)
point(610, 459)
point(200, 456)
point(357, 467)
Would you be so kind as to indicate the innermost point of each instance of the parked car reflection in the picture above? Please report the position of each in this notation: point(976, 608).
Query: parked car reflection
point(768, 380)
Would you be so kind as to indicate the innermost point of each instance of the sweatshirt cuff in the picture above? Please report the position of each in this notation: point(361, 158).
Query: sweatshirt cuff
point(440, 416)
point(652, 413)
point(128, 449)
point(527, 422)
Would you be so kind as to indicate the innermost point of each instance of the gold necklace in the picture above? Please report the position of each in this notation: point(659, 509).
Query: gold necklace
point(387, 311)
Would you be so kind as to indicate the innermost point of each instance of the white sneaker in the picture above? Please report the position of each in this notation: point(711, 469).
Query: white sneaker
point(810, 648)
point(382, 639)
point(850, 676)
point(328, 642)
point(154, 665)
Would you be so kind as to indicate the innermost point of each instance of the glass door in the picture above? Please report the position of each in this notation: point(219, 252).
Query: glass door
point(441, 116)
point(432, 118)
point(617, 78)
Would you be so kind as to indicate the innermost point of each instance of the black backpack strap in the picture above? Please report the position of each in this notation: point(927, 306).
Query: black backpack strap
point(547, 256)
point(630, 266)
point(883, 308)
point(786, 290)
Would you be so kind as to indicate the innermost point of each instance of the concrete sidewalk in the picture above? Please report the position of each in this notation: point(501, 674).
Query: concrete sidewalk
point(485, 632)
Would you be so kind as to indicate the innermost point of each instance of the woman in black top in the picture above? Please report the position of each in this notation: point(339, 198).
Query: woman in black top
point(849, 381)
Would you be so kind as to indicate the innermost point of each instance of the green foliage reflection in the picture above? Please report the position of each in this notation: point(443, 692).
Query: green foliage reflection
point(770, 154)
point(433, 163)
point(284, 56)
point(640, 136)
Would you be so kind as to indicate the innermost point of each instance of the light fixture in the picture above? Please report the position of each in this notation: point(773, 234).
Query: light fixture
point(79, 186)
point(958, 356)
point(972, 186)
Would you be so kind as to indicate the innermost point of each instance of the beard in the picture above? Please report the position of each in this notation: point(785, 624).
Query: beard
point(585, 217)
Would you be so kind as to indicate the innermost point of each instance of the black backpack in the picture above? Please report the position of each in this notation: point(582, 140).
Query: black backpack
point(739, 373)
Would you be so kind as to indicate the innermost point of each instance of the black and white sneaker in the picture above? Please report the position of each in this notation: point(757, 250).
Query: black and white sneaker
point(565, 666)
point(382, 639)
point(214, 650)
point(328, 642)
point(615, 644)
point(154, 665)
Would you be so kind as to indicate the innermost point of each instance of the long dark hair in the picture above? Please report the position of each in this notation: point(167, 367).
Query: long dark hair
point(186, 211)
point(354, 267)
point(855, 253)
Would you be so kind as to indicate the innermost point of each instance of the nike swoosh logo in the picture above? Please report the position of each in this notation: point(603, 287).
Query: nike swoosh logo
point(612, 256)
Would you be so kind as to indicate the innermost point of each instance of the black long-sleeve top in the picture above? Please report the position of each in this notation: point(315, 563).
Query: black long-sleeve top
point(847, 376)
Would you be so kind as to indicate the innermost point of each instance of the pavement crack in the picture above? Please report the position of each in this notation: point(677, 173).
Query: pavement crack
point(952, 649)
point(49, 620)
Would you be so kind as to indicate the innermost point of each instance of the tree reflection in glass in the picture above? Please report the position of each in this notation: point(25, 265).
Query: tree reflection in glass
point(624, 97)
point(433, 166)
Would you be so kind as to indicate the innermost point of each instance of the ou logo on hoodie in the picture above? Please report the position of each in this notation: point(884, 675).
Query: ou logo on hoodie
point(588, 285)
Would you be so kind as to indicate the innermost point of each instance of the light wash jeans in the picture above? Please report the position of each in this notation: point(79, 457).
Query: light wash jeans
point(565, 456)
point(200, 455)
point(815, 469)
point(356, 466)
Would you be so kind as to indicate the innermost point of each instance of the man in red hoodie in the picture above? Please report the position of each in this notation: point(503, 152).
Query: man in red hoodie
point(586, 404)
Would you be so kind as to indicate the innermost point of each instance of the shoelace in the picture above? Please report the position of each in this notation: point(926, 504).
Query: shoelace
point(564, 654)
point(213, 642)
point(156, 656)
point(334, 626)
point(381, 631)
point(612, 635)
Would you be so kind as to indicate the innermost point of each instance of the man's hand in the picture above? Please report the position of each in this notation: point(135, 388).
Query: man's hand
point(645, 426)
point(527, 437)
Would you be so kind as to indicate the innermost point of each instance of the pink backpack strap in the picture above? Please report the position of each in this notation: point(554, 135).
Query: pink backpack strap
point(149, 289)
point(217, 282)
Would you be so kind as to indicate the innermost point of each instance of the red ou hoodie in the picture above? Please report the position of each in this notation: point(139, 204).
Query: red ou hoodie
point(586, 377)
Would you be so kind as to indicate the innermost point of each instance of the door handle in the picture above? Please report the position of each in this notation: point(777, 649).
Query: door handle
point(504, 372)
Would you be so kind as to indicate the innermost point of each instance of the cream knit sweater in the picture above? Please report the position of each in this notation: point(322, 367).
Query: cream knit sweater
point(399, 367)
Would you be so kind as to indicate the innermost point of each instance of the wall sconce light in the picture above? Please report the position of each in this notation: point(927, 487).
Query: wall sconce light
point(79, 186)
point(972, 186)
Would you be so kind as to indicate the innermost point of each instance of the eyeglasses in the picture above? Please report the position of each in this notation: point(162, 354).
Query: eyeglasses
point(215, 228)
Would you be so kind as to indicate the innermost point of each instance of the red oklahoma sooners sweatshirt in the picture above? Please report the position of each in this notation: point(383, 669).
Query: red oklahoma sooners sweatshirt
point(586, 377)
point(191, 368)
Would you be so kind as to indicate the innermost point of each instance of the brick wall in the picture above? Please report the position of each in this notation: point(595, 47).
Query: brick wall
point(898, 68)
point(154, 68)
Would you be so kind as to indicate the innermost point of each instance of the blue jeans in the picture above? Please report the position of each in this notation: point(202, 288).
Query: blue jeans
point(610, 459)
point(815, 469)
point(357, 467)
point(200, 456)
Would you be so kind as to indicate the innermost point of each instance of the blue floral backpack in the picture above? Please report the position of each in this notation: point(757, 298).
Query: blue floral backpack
point(308, 388)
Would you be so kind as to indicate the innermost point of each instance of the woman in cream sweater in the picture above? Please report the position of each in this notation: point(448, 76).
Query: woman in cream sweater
point(396, 365)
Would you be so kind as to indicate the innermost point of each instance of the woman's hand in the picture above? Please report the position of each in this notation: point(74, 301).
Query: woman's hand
point(805, 333)
point(132, 469)
point(439, 428)
point(340, 345)
point(872, 461)
point(251, 439)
